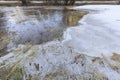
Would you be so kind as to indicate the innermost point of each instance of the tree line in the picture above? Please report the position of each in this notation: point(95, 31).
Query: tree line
point(51, 2)
point(60, 2)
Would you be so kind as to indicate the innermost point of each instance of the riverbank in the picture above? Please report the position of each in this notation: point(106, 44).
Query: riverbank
point(90, 50)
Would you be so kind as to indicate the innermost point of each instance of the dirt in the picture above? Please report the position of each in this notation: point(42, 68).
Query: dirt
point(116, 57)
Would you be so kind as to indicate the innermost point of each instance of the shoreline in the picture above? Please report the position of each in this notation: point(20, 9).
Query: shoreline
point(67, 59)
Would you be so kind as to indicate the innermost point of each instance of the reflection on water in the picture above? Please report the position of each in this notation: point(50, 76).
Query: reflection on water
point(39, 26)
point(72, 17)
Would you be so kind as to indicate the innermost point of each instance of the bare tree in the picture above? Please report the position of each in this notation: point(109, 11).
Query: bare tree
point(72, 2)
point(66, 2)
point(60, 2)
point(24, 2)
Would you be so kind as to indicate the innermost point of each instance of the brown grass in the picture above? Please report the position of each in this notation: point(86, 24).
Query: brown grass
point(116, 57)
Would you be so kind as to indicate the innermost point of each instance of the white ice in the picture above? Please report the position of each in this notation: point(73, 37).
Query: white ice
point(99, 32)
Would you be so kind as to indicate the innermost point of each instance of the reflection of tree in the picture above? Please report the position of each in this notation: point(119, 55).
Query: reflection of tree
point(72, 17)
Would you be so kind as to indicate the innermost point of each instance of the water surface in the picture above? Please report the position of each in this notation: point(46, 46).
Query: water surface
point(34, 25)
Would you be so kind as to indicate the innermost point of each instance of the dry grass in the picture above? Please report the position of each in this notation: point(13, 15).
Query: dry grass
point(116, 57)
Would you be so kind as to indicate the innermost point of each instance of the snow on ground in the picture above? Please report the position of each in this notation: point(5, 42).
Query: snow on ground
point(99, 32)
point(74, 56)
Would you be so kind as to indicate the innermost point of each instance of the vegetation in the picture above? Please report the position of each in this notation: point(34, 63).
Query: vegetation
point(11, 73)
point(52, 2)
point(25, 2)
point(60, 2)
